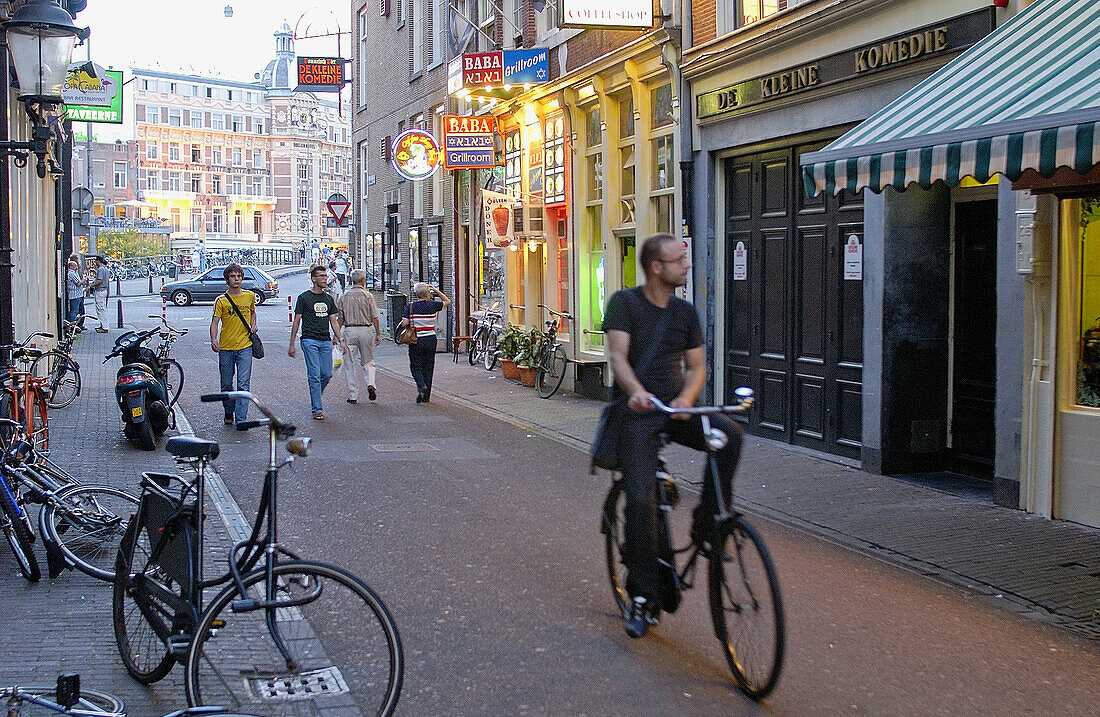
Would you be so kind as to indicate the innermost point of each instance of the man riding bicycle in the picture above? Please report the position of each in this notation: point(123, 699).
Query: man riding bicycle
point(652, 336)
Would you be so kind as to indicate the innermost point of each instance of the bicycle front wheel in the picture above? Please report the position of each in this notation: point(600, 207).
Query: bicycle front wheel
point(551, 372)
point(62, 377)
point(345, 653)
point(173, 376)
point(746, 608)
point(612, 520)
point(11, 524)
point(477, 345)
point(87, 523)
point(91, 703)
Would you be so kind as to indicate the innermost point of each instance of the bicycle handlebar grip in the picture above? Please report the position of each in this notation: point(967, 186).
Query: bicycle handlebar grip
point(212, 397)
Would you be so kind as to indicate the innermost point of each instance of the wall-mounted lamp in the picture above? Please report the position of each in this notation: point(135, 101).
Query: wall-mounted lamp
point(512, 246)
point(40, 37)
point(532, 245)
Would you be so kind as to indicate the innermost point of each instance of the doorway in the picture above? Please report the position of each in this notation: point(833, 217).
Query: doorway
point(973, 343)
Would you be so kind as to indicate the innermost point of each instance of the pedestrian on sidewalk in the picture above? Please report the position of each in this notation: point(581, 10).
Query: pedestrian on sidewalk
point(314, 252)
point(74, 284)
point(421, 315)
point(98, 289)
point(362, 332)
point(649, 332)
point(316, 311)
point(235, 311)
point(342, 268)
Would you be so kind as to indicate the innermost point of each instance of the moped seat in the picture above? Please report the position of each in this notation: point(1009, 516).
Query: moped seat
point(190, 447)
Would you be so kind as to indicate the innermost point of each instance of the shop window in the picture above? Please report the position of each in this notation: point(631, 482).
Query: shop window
point(664, 175)
point(554, 159)
point(414, 255)
point(662, 106)
point(593, 131)
point(1088, 362)
point(196, 220)
point(513, 165)
point(594, 166)
point(662, 212)
point(626, 117)
point(597, 294)
point(626, 159)
point(564, 287)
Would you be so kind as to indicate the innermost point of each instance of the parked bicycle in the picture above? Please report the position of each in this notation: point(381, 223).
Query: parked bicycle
point(23, 396)
point(66, 698)
point(60, 369)
point(82, 525)
point(288, 637)
point(489, 324)
point(746, 608)
point(550, 360)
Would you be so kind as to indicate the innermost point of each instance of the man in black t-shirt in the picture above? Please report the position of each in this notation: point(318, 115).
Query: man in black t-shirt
point(316, 311)
point(634, 320)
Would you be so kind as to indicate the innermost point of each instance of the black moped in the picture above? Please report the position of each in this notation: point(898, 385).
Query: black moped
point(141, 389)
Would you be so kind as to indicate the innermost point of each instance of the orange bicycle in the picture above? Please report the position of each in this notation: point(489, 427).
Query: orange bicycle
point(25, 397)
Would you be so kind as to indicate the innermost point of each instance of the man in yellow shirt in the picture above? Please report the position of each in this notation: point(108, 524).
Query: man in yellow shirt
point(235, 310)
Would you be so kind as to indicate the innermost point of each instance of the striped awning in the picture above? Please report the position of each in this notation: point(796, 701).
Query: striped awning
point(1026, 97)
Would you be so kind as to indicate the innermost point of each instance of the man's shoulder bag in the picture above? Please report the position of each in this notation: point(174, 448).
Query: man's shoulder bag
point(257, 345)
point(609, 431)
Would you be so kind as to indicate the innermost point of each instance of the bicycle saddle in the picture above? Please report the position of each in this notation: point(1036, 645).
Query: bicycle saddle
point(190, 447)
point(27, 353)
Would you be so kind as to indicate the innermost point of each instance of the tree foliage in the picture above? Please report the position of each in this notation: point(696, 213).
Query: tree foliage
point(126, 243)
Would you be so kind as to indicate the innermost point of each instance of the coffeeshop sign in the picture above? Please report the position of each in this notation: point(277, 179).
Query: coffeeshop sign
point(924, 43)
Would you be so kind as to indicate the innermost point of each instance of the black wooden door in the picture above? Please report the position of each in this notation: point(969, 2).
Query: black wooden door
point(974, 342)
point(794, 323)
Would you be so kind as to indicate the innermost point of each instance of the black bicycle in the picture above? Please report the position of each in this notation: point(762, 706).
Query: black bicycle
point(288, 637)
point(746, 608)
point(60, 369)
point(483, 342)
point(550, 359)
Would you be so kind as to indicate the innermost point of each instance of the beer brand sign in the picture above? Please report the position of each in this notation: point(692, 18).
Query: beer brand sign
point(468, 142)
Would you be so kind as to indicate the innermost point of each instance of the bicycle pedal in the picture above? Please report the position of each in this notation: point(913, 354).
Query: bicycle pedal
point(178, 645)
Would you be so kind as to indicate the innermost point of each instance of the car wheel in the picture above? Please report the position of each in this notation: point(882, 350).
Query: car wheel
point(260, 298)
point(181, 298)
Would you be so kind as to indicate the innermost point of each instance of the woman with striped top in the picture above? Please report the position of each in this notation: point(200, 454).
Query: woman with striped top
point(421, 314)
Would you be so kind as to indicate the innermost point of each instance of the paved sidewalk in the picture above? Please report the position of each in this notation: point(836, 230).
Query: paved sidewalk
point(1043, 569)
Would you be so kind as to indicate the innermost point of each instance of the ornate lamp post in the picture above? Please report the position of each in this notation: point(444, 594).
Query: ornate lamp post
point(40, 37)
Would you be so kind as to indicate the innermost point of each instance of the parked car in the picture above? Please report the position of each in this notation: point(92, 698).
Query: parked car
point(209, 285)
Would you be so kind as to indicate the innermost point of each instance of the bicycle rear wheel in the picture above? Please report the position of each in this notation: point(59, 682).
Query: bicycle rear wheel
point(11, 524)
point(173, 379)
point(746, 608)
point(87, 523)
point(551, 372)
point(143, 653)
point(346, 647)
point(490, 356)
point(477, 345)
point(612, 520)
point(62, 377)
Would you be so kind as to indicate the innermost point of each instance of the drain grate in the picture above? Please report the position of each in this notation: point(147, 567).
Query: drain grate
point(403, 447)
point(305, 686)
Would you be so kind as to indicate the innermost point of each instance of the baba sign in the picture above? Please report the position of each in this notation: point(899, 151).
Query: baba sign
point(468, 142)
point(415, 154)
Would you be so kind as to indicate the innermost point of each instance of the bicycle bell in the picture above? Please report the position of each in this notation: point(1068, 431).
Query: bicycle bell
point(717, 439)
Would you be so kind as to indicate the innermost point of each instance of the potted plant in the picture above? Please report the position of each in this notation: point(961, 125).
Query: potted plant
point(510, 347)
point(526, 358)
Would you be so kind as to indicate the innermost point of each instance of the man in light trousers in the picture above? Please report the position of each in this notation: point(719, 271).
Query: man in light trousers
point(98, 289)
point(362, 332)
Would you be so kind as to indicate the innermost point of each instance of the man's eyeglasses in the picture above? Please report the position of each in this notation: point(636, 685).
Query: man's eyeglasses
point(682, 259)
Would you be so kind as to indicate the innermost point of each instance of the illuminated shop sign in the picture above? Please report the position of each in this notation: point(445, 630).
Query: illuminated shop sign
point(498, 70)
point(468, 142)
point(608, 13)
point(320, 74)
point(415, 154)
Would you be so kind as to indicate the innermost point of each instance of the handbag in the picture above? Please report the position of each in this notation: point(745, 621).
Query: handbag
point(406, 335)
point(257, 345)
point(605, 449)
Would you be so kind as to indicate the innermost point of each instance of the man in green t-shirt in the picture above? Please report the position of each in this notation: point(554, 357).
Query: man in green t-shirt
point(235, 311)
point(316, 311)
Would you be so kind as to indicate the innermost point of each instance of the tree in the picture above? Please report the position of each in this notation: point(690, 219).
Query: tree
point(126, 243)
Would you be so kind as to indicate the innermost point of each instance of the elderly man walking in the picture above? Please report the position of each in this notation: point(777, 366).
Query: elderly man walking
point(98, 289)
point(362, 332)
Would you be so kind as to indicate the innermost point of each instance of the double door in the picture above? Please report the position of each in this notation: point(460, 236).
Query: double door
point(794, 314)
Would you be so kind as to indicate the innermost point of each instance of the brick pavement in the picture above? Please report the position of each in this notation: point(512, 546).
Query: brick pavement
point(1043, 569)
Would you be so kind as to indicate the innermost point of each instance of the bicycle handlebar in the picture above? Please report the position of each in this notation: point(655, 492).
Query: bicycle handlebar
point(280, 426)
point(744, 396)
point(23, 344)
point(168, 326)
point(556, 313)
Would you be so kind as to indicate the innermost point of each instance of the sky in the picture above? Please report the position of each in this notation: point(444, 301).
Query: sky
point(196, 36)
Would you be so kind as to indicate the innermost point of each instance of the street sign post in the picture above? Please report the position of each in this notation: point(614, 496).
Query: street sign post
point(338, 206)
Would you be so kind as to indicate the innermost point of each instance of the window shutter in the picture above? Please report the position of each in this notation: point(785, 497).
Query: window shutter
point(387, 141)
point(429, 32)
point(385, 8)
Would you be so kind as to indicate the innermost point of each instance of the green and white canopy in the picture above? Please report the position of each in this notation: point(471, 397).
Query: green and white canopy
point(1027, 96)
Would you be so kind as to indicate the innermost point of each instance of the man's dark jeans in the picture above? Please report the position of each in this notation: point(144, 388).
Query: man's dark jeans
point(638, 453)
point(422, 363)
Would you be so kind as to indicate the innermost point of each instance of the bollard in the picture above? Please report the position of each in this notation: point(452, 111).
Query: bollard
point(120, 313)
point(164, 309)
point(118, 286)
point(150, 283)
point(289, 311)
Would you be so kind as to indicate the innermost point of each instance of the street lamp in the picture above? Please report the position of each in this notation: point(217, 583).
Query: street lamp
point(40, 37)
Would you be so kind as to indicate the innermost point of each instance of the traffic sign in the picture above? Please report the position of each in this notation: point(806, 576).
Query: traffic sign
point(338, 206)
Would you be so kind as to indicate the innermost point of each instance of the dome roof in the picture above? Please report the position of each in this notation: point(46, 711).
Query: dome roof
point(277, 74)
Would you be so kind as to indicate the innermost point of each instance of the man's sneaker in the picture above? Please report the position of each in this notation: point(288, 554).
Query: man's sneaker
point(642, 615)
point(229, 419)
point(371, 393)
